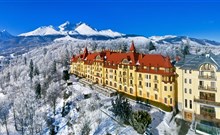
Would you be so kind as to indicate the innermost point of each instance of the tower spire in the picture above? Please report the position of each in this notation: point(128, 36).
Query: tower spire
point(132, 48)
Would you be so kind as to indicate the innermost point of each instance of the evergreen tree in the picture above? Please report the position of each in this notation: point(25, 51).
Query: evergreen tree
point(38, 89)
point(8, 77)
point(185, 49)
point(36, 70)
point(121, 108)
point(66, 75)
point(151, 46)
point(124, 47)
point(140, 120)
point(54, 67)
point(25, 60)
point(31, 66)
point(66, 59)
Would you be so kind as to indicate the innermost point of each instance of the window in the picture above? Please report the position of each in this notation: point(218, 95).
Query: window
point(190, 104)
point(165, 100)
point(185, 90)
point(155, 96)
point(146, 76)
point(125, 89)
point(148, 94)
point(190, 71)
point(140, 83)
point(155, 85)
point(131, 90)
point(120, 87)
point(131, 74)
point(140, 75)
point(185, 103)
point(149, 76)
point(185, 71)
point(115, 85)
point(130, 81)
point(190, 81)
point(155, 77)
point(201, 83)
point(171, 101)
point(185, 80)
point(165, 88)
point(149, 84)
point(146, 84)
point(171, 88)
point(140, 92)
point(190, 91)
point(212, 84)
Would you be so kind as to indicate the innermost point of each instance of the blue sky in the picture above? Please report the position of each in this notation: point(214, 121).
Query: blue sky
point(195, 18)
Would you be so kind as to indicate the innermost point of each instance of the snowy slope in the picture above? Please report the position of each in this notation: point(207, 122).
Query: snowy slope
point(84, 29)
point(42, 31)
point(157, 38)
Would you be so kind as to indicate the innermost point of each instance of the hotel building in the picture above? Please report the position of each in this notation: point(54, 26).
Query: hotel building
point(149, 77)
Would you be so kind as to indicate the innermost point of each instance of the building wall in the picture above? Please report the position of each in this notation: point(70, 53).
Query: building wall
point(125, 79)
point(188, 82)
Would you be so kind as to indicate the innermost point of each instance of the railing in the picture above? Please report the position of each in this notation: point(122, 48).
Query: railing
point(208, 102)
point(155, 81)
point(155, 89)
point(140, 86)
point(140, 78)
point(131, 77)
point(207, 77)
point(201, 87)
point(207, 129)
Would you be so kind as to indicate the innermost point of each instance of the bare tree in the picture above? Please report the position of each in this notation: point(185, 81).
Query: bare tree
point(4, 111)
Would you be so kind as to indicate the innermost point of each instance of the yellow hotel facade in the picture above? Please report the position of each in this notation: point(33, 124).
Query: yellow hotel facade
point(150, 77)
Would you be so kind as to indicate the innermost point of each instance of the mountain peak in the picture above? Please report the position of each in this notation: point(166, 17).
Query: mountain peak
point(42, 31)
point(84, 29)
point(5, 35)
point(66, 26)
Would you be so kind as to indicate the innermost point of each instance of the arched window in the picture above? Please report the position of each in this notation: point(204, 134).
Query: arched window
point(131, 90)
point(125, 89)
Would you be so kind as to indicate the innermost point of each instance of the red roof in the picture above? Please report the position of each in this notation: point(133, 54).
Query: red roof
point(112, 59)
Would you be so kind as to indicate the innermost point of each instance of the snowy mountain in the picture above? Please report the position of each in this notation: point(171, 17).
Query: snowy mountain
point(5, 35)
point(42, 31)
point(69, 33)
point(68, 28)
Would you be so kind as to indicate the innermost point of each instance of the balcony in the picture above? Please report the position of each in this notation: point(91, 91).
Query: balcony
point(208, 102)
point(205, 116)
point(208, 88)
point(140, 86)
point(207, 77)
point(120, 75)
point(140, 78)
point(156, 89)
point(131, 77)
point(155, 81)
